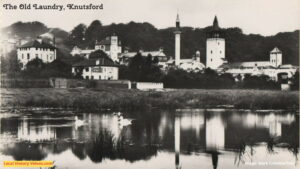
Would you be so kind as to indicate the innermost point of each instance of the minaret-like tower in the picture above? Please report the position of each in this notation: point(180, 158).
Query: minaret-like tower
point(177, 33)
point(215, 47)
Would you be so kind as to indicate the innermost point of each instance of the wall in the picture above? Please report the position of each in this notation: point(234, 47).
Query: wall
point(46, 55)
point(149, 85)
point(107, 73)
point(215, 51)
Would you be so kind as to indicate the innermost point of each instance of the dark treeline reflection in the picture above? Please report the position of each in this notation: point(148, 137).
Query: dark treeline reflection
point(103, 136)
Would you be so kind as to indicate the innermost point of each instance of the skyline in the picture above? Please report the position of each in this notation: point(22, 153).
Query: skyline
point(252, 16)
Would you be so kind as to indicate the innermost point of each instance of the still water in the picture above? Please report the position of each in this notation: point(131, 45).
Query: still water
point(186, 139)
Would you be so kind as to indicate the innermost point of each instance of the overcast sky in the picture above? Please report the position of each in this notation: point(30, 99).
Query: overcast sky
point(266, 17)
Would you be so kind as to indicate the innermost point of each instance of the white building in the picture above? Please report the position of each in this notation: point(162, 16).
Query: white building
point(98, 69)
point(36, 49)
point(110, 45)
point(276, 57)
point(215, 47)
point(271, 68)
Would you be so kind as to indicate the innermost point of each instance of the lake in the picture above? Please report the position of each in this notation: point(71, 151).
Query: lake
point(187, 139)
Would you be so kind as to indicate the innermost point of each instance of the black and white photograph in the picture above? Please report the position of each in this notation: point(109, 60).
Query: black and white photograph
point(149, 84)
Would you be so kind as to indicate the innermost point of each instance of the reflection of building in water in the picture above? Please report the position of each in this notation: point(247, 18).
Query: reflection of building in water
point(215, 133)
point(177, 141)
point(271, 121)
point(35, 133)
point(192, 121)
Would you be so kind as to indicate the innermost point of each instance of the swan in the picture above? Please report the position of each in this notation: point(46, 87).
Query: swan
point(124, 122)
point(78, 122)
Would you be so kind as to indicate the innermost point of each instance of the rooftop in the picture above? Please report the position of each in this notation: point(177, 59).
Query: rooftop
point(37, 44)
point(96, 62)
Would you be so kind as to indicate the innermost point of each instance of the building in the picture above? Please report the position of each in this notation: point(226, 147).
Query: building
point(98, 69)
point(276, 57)
point(125, 57)
point(215, 47)
point(110, 45)
point(36, 49)
point(272, 68)
point(177, 33)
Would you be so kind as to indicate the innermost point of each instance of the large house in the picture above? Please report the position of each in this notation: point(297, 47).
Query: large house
point(110, 45)
point(99, 69)
point(36, 49)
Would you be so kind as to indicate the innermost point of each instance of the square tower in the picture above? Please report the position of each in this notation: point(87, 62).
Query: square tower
point(276, 57)
point(215, 47)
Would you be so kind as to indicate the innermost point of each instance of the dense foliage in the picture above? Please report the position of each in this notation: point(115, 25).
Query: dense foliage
point(135, 36)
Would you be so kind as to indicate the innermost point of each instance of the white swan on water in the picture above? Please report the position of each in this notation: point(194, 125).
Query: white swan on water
point(78, 122)
point(121, 121)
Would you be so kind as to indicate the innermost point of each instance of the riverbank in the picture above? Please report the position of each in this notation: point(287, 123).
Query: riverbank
point(123, 99)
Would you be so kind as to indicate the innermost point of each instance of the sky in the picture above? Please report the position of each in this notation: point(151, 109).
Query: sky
point(265, 17)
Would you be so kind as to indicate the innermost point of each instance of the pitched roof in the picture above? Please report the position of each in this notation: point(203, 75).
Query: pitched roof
point(216, 24)
point(237, 65)
point(152, 53)
point(106, 41)
point(96, 62)
point(276, 50)
point(37, 44)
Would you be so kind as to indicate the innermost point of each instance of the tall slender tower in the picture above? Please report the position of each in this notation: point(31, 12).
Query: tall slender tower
point(215, 47)
point(177, 33)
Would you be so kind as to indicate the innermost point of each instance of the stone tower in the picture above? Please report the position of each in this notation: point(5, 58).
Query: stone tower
point(177, 33)
point(215, 47)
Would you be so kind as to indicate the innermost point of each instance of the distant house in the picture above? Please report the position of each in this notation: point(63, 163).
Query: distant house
point(110, 45)
point(36, 49)
point(98, 69)
point(125, 57)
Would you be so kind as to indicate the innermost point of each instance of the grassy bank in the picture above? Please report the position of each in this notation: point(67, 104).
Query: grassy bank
point(123, 99)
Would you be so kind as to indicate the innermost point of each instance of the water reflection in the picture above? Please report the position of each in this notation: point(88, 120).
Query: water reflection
point(196, 138)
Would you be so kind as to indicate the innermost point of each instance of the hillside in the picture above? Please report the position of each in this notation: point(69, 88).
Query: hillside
point(135, 36)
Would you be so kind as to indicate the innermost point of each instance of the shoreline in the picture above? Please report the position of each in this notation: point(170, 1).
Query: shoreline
point(124, 99)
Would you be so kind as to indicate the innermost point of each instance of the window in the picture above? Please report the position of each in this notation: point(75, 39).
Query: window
point(87, 69)
point(36, 55)
point(92, 77)
point(22, 56)
point(50, 57)
point(220, 51)
point(210, 59)
point(28, 56)
point(100, 77)
point(86, 77)
point(211, 51)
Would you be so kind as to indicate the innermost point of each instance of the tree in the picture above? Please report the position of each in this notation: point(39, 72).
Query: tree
point(77, 35)
point(295, 81)
point(34, 68)
point(98, 54)
point(93, 32)
point(57, 68)
point(10, 64)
